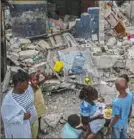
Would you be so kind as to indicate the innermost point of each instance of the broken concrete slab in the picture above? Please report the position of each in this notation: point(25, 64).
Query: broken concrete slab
point(105, 89)
point(130, 11)
point(119, 44)
point(120, 64)
point(59, 40)
point(96, 51)
point(43, 44)
point(52, 119)
point(69, 39)
point(111, 42)
point(43, 125)
point(130, 65)
point(131, 53)
point(40, 66)
point(127, 42)
point(24, 41)
point(14, 69)
point(14, 56)
point(104, 48)
point(130, 29)
point(31, 46)
point(29, 61)
point(28, 54)
point(72, 24)
point(106, 61)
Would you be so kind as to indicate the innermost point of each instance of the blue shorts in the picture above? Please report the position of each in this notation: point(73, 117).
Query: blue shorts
point(118, 133)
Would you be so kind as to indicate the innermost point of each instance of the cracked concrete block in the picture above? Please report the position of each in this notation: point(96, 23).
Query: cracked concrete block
point(96, 51)
point(119, 44)
point(131, 53)
point(59, 41)
point(14, 56)
point(106, 61)
point(29, 61)
point(52, 119)
point(111, 42)
point(69, 39)
point(31, 47)
point(24, 41)
point(120, 64)
point(40, 66)
point(28, 54)
point(130, 65)
point(43, 44)
point(127, 42)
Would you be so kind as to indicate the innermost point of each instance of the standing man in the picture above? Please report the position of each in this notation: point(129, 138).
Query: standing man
point(121, 111)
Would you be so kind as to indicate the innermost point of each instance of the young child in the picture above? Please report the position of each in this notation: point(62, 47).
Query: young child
point(73, 127)
point(38, 96)
point(91, 111)
point(121, 110)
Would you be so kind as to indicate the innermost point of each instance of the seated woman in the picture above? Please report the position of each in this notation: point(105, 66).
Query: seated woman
point(73, 127)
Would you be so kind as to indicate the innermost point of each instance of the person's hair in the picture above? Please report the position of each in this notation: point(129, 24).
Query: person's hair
point(73, 120)
point(125, 76)
point(20, 77)
point(88, 91)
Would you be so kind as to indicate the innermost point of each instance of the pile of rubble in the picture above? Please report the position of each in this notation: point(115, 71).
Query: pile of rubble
point(105, 63)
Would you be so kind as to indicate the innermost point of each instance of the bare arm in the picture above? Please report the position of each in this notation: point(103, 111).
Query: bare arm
point(114, 120)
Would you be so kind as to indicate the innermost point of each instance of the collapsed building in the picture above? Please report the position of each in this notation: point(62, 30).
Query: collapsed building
point(96, 36)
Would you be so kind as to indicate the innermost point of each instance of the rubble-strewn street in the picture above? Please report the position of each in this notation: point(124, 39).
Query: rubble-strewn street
point(102, 38)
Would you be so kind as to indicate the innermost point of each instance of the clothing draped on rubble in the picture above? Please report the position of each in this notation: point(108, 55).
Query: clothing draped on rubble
point(13, 117)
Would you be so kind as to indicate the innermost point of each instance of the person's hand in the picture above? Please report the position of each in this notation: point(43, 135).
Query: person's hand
point(27, 115)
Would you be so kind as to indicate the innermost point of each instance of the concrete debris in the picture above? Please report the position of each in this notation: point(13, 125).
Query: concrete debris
point(29, 61)
point(130, 65)
point(119, 44)
point(24, 41)
point(37, 67)
point(96, 51)
point(28, 54)
point(31, 47)
point(13, 56)
point(131, 53)
point(120, 64)
point(52, 119)
point(106, 61)
point(69, 39)
point(43, 44)
point(111, 42)
point(127, 42)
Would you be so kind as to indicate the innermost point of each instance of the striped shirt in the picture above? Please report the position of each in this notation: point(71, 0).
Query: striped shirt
point(26, 100)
